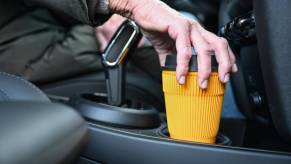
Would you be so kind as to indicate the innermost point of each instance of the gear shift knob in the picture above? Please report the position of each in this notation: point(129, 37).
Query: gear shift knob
point(114, 60)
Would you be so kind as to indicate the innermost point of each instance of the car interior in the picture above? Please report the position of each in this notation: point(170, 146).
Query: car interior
point(117, 114)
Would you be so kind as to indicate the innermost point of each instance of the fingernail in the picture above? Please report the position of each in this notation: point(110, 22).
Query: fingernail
point(234, 68)
point(182, 80)
point(226, 78)
point(204, 84)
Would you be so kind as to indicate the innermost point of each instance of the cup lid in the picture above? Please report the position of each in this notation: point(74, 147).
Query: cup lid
point(171, 63)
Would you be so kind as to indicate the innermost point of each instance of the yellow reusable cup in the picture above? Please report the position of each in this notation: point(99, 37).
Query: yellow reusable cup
point(193, 114)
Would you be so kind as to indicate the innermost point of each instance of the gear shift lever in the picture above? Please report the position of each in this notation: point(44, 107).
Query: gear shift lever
point(115, 57)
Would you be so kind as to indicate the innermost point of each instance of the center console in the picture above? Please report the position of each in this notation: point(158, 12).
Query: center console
point(124, 135)
point(122, 131)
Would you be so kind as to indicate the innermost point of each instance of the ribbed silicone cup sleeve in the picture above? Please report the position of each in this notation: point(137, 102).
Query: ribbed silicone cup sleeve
point(193, 114)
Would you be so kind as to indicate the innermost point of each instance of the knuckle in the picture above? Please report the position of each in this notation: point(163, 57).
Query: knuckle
point(222, 43)
point(186, 55)
point(183, 62)
point(203, 50)
point(233, 60)
point(184, 23)
point(187, 50)
point(194, 24)
point(226, 66)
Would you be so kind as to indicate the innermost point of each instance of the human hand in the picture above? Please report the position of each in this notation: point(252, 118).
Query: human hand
point(168, 31)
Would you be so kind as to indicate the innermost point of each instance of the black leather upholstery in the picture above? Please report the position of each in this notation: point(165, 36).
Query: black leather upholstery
point(34, 130)
point(40, 133)
point(15, 88)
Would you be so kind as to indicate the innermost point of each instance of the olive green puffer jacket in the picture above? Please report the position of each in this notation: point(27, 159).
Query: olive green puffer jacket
point(45, 40)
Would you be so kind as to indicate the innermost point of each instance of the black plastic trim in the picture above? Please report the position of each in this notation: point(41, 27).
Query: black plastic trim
point(109, 145)
point(116, 116)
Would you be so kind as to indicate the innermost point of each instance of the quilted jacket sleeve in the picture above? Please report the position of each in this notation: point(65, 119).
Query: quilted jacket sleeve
point(82, 10)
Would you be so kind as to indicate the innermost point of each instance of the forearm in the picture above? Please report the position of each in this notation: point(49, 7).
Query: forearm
point(137, 10)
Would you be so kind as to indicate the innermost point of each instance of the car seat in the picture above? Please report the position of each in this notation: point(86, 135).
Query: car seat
point(35, 130)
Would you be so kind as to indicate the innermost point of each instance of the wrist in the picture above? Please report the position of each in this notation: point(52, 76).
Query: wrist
point(125, 8)
point(121, 7)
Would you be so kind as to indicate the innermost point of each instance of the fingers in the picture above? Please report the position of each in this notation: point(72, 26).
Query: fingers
point(204, 59)
point(223, 59)
point(204, 42)
point(223, 54)
point(184, 52)
point(233, 60)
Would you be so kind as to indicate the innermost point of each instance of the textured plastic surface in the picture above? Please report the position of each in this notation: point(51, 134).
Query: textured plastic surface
point(96, 111)
point(109, 145)
point(193, 114)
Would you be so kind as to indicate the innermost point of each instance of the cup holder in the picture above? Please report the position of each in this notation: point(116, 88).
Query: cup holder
point(220, 140)
point(94, 109)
